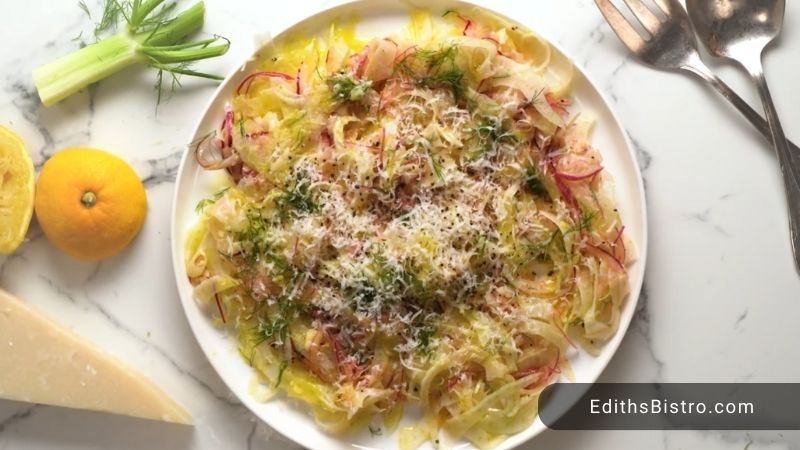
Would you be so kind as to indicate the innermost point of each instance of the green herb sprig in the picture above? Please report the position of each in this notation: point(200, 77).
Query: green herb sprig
point(490, 133)
point(433, 68)
point(276, 327)
point(533, 183)
point(206, 202)
point(345, 87)
point(452, 78)
point(297, 198)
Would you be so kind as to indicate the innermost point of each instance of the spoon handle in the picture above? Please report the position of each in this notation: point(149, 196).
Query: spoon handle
point(791, 176)
point(787, 151)
point(738, 102)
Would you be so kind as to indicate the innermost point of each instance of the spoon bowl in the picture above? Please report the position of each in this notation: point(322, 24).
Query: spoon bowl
point(740, 30)
point(736, 28)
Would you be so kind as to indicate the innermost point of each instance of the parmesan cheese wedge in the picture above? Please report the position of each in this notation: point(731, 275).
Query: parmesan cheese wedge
point(43, 362)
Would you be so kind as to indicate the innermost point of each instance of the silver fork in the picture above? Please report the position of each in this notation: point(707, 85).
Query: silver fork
point(671, 45)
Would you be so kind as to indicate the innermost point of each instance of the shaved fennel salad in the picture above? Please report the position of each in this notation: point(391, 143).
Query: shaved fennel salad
point(417, 219)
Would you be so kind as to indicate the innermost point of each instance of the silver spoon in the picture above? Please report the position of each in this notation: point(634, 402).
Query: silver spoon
point(740, 30)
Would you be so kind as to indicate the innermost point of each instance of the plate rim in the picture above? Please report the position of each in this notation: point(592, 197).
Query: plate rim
point(609, 350)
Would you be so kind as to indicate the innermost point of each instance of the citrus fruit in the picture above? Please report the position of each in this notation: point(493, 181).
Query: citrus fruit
point(89, 203)
point(16, 191)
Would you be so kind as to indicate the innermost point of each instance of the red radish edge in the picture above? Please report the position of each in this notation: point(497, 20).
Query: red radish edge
point(467, 27)
point(621, 243)
point(295, 241)
point(559, 105)
point(564, 190)
point(563, 332)
point(219, 308)
point(383, 144)
point(497, 44)
point(549, 371)
point(467, 22)
point(298, 88)
point(606, 253)
point(572, 177)
point(267, 73)
point(325, 137)
point(403, 54)
point(619, 234)
point(227, 125)
point(362, 66)
point(258, 134)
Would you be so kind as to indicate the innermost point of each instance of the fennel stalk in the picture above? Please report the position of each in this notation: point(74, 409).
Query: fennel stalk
point(151, 37)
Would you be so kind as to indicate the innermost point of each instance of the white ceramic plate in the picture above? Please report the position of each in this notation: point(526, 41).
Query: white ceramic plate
point(380, 17)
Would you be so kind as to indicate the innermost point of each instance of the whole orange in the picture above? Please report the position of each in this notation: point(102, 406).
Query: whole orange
point(89, 203)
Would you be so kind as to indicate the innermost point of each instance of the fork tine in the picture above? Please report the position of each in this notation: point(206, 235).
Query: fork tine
point(626, 33)
point(646, 17)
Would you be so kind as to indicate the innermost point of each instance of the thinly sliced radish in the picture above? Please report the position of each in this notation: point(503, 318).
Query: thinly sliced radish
point(267, 73)
point(579, 177)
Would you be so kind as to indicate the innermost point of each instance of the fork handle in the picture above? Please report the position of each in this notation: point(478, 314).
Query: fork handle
point(788, 152)
point(741, 105)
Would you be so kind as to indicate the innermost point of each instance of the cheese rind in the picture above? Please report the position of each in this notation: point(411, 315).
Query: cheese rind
point(43, 362)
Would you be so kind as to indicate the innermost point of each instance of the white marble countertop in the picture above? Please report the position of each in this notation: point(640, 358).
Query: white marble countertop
point(721, 295)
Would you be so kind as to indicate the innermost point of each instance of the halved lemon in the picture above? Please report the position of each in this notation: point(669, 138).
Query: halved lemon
point(16, 191)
